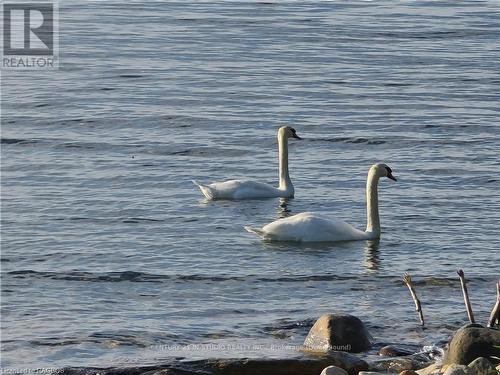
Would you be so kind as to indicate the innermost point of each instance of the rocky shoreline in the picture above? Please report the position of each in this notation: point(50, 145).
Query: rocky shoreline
point(335, 346)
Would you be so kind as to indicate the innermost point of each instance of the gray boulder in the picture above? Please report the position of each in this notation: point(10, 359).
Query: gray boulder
point(481, 366)
point(336, 332)
point(471, 342)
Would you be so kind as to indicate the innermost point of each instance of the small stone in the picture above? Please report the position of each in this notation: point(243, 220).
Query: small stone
point(455, 369)
point(481, 366)
point(393, 365)
point(334, 370)
point(408, 372)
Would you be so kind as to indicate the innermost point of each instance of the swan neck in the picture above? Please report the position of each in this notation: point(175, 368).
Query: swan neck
point(373, 219)
point(284, 177)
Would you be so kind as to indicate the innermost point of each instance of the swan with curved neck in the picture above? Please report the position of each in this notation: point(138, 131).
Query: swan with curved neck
point(309, 227)
point(246, 189)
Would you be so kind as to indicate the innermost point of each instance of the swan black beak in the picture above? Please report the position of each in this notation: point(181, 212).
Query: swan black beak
point(391, 177)
point(296, 136)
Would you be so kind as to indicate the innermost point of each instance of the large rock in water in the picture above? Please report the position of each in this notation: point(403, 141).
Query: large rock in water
point(471, 342)
point(294, 366)
point(338, 333)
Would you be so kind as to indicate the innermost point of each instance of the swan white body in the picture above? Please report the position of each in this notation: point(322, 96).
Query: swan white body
point(240, 189)
point(247, 189)
point(310, 227)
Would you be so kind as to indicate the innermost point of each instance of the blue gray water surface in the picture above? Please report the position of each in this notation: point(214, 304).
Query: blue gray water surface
point(110, 256)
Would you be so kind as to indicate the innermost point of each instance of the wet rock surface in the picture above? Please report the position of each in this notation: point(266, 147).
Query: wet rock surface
point(395, 351)
point(399, 364)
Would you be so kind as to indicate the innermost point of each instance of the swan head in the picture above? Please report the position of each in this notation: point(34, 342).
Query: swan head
point(288, 132)
point(382, 170)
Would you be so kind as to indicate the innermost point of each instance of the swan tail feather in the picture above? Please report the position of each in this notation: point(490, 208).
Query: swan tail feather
point(207, 192)
point(258, 232)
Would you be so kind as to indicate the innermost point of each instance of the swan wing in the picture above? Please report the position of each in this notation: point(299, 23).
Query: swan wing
point(309, 227)
point(239, 189)
point(252, 189)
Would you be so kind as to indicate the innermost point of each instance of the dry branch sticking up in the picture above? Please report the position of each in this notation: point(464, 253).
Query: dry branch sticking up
point(468, 306)
point(418, 306)
point(495, 312)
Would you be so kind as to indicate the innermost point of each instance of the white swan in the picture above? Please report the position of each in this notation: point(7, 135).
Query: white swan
point(246, 189)
point(309, 227)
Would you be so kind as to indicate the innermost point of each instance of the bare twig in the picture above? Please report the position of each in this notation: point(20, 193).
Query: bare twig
point(495, 312)
point(418, 306)
point(468, 306)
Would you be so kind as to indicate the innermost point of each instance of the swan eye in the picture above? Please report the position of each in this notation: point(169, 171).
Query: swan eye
point(292, 130)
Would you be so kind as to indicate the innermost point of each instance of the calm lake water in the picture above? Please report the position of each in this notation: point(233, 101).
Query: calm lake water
point(110, 256)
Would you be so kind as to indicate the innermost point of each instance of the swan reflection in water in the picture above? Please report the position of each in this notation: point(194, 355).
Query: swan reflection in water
point(369, 254)
point(283, 210)
point(372, 255)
